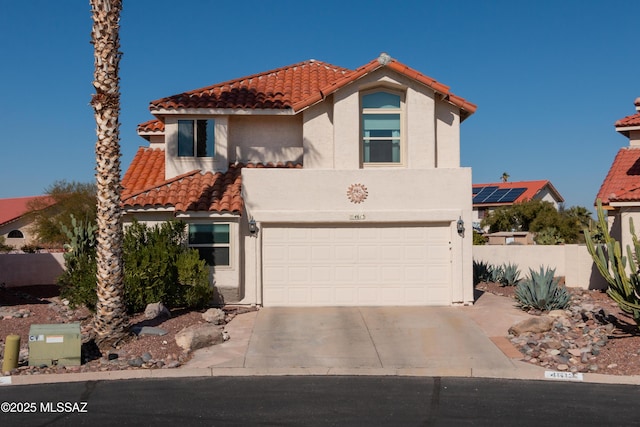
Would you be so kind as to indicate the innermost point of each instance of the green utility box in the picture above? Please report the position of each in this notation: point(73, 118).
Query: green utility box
point(55, 345)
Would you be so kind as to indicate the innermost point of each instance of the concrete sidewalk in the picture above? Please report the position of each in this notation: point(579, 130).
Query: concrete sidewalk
point(412, 341)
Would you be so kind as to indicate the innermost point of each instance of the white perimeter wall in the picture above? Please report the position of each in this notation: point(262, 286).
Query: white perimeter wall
point(571, 261)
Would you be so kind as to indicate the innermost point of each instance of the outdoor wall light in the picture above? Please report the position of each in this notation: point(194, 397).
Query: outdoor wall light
point(253, 228)
point(460, 225)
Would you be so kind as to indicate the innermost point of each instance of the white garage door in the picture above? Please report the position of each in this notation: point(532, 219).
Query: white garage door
point(333, 265)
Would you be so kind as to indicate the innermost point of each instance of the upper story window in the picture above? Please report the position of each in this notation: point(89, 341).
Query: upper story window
point(15, 234)
point(196, 138)
point(381, 127)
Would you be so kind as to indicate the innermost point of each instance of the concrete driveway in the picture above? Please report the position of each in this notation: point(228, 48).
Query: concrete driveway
point(441, 338)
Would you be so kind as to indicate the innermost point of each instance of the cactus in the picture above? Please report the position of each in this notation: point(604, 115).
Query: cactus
point(81, 237)
point(541, 291)
point(624, 284)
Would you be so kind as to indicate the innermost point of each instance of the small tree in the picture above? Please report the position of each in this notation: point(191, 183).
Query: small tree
point(54, 212)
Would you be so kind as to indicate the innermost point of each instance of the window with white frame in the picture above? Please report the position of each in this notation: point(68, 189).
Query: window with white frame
point(196, 138)
point(212, 242)
point(381, 127)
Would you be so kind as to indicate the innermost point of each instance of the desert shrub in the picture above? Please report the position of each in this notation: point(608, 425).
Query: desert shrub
point(3, 246)
point(78, 281)
point(479, 239)
point(158, 266)
point(150, 256)
point(193, 277)
point(540, 290)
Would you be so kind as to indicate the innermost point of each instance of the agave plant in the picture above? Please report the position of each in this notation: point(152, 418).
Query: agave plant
point(496, 274)
point(540, 291)
point(510, 275)
point(481, 271)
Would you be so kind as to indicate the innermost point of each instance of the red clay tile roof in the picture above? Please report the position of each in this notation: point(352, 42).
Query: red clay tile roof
point(14, 208)
point(532, 189)
point(145, 186)
point(194, 191)
point(295, 87)
point(154, 125)
point(622, 183)
point(145, 171)
point(633, 120)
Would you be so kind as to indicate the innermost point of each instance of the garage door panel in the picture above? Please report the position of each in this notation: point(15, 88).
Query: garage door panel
point(341, 265)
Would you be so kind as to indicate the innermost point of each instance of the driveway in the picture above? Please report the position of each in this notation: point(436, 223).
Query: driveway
point(440, 338)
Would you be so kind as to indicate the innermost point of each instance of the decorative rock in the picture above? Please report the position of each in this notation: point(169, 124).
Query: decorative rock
point(156, 310)
point(146, 357)
point(562, 367)
point(136, 363)
point(199, 336)
point(534, 324)
point(214, 316)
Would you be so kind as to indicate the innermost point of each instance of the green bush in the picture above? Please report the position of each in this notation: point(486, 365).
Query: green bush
point(158, 266)
point(78, 282)
point(541, 291)
point(193, 277)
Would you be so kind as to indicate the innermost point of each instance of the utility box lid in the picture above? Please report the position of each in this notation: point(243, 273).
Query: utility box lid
point(55, 345)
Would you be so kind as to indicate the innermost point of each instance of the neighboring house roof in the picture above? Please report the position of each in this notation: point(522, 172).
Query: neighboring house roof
point(14, 208)
point(507, 193)
point(622, 183)
point(631, 122)
point(294, 87)
point(145, 186)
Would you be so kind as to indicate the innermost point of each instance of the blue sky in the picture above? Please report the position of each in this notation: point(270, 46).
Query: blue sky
point(550, 78)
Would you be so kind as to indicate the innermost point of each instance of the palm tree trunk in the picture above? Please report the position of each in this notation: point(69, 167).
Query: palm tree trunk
point(110, 321)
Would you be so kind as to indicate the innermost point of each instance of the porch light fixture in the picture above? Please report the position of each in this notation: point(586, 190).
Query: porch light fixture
point(253, 228)
point(460, 226)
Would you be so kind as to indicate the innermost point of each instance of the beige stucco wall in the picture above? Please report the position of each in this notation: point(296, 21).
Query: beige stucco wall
point(571, 261)
point(175, 165)
point(269, 132)
point(396, 196)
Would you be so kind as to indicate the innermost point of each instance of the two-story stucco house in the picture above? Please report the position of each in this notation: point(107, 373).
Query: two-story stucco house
point(620, 190)
point(315, 185)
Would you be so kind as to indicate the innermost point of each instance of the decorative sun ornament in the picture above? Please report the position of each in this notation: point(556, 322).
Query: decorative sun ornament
point(357, 193)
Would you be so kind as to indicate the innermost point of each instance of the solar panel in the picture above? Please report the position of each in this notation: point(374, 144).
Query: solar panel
point(496, 195)
point(484, 193)
point(512, 195)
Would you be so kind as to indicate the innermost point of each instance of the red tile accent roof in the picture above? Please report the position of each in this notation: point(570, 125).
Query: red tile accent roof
point(154, 125)
point(145, 186)
point(146, 171)
point(532, 189)
point(622, 183)
point(14, 208)
point(295, 87)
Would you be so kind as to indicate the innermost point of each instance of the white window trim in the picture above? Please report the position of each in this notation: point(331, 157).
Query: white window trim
point(403, 127)
point(230, 245)
point(195, 138)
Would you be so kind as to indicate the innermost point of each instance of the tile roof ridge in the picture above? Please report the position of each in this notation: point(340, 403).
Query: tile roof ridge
point(165, 182)
point(254, 76)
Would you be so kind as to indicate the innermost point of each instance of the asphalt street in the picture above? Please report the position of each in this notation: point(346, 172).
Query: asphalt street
point(319, 401)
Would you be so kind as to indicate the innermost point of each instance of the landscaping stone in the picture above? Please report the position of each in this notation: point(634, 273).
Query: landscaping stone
point(215, 316)
point(572, 341)
point(156, 310)
point(199, 336)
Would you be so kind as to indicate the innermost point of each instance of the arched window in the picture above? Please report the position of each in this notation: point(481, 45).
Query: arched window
point(15, 234)
point(381, 127)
